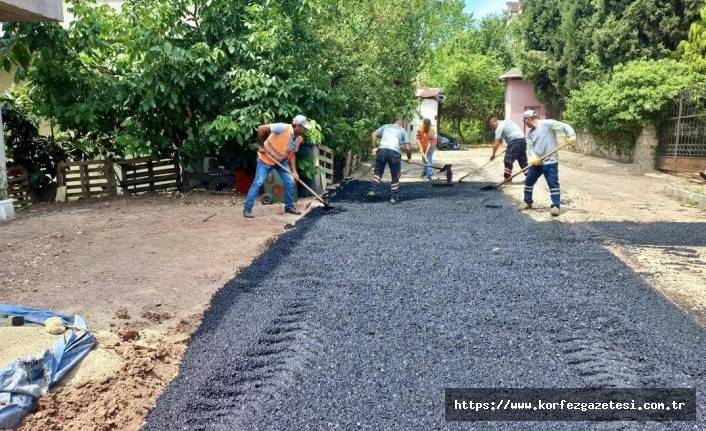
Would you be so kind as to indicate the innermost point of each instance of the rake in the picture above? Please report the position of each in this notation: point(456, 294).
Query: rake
point(460, 180)
point(486, 188)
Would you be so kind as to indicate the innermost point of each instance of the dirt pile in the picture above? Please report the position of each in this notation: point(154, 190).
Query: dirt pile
point(120, 400)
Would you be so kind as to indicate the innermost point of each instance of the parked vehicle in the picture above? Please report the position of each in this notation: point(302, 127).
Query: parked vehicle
point(447, 142)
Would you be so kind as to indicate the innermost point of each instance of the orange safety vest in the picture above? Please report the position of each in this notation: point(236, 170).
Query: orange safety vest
point(277, 146)
point(424, 137)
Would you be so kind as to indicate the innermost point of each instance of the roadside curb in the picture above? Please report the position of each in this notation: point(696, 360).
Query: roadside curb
point(686, 196)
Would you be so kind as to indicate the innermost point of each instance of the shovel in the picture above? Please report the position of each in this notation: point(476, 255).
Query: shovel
point(327, 205)
point(460, 180)
point(486, 188)
point(446, 168)
point(425, 160)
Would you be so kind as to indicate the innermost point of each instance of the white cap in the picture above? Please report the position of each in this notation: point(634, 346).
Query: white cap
point(529, 114)
point(300, 119)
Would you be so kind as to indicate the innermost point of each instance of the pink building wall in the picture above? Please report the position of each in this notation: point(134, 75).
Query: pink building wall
point(519, 96)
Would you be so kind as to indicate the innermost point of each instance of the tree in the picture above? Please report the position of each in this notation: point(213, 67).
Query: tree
point(638, 93)
point(571, 42)
point(693, 49)
point(474, 92)
point(641, 29)
point(196, 77)
point(467, 64)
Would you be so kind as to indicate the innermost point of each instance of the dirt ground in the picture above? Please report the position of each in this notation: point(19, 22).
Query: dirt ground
point(141, 271)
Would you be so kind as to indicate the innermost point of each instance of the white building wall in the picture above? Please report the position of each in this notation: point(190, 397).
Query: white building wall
point(428, 108)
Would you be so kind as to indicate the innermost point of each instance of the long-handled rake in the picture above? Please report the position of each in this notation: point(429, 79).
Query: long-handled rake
point(460, 180)
point(486, 188)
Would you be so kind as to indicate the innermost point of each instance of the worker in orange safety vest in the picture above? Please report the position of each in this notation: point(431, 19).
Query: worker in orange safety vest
point(279, 141)
point(426, 141)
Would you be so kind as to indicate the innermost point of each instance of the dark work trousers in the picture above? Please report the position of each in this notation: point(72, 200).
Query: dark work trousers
point(394, 159)
point(516, 150)
point(551, 174)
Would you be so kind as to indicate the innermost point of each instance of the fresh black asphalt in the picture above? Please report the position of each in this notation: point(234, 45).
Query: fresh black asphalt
point(360, 317)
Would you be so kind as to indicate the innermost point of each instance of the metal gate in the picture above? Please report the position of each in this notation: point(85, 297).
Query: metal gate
point(682, 136)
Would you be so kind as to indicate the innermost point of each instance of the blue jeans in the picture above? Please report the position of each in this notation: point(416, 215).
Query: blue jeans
point(516, 150)
point(551, 174)
point(430, 159)
point(394, 159)
point(263, 169)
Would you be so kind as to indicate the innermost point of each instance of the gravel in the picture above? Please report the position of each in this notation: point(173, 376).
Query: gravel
point(358, 318)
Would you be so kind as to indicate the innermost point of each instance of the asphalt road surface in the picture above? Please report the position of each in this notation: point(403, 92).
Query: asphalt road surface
point(360, 317)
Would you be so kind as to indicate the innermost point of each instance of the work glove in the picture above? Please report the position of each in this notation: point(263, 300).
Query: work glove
point(570, 142)
point(534, 161)
point(375, 152)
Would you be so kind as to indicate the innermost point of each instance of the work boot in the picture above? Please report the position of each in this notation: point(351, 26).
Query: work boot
point(555, 211)
point(525, 206)
point(248, 213)
point(292, 210)
point(422, 175)
point(394, 200)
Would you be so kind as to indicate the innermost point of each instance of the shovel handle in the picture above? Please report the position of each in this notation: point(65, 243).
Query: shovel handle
point(299, 181)
point(425, 160)
point(419, 164)
point(486, 164)
point(529, 166)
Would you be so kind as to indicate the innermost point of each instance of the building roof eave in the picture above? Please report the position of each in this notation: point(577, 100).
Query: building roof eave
point(31, 10)
point(512, 73)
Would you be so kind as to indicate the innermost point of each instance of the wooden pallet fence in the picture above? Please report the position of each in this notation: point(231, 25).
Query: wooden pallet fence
point(144, 174)
point(352, 164)
point(323, 158)
point(88, 178)
point(18, 185)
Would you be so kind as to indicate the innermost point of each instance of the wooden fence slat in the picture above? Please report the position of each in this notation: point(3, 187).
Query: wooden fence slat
point(130, 162)
point(324, 159)
point(144, 174)
point(18, 185)
point(86, 178)
point(154, 179)
point(146, 187)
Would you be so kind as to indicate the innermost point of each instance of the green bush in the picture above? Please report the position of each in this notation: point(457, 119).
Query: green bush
point(638, 93)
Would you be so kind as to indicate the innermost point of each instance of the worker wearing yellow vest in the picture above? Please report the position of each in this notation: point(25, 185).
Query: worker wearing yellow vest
point(281, 141)
point(426, 141)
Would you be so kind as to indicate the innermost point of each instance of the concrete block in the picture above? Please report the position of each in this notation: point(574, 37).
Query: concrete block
point(7, 210)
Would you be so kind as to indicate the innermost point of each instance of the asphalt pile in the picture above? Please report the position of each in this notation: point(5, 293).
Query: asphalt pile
point(360, 318)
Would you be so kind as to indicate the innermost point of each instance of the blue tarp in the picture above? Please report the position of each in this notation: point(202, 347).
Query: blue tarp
point(25, 379)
